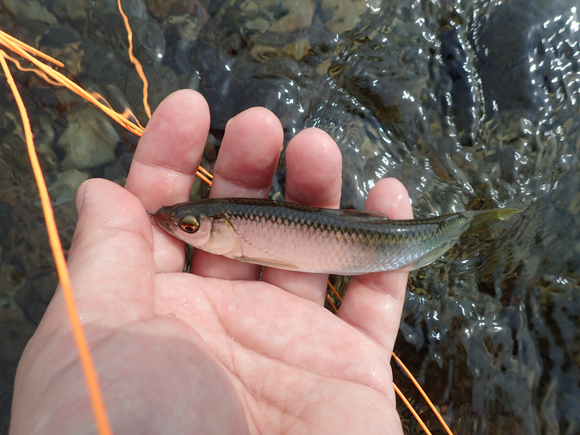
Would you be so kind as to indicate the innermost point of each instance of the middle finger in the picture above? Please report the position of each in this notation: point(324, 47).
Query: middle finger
point(244, 169)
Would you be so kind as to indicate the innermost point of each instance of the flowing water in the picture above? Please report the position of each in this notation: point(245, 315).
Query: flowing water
point(471, 104)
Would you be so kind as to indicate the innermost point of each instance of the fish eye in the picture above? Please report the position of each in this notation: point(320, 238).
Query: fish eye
point(189, 224)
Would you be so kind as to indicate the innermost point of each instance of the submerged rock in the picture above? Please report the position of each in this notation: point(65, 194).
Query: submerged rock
point(64, 188)
point(30, 10)
point(89, 140)
point(471, 104)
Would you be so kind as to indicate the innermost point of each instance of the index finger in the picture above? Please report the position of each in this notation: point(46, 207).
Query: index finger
point(165, 162)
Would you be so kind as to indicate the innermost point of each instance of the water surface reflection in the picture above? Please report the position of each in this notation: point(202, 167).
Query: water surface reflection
point(472, 104)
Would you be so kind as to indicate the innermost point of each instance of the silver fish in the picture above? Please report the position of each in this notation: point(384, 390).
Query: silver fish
point(311, 239)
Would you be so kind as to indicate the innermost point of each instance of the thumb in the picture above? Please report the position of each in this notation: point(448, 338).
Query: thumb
point(111, 259)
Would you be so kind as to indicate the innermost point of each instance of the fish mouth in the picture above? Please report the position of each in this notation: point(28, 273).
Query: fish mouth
point(151, 215)
point(164, 218)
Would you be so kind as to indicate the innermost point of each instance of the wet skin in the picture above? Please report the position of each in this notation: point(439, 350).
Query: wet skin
point(215, 350)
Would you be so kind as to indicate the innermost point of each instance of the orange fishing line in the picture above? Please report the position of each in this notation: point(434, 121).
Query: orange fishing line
point(201, 171)
point(32, 70)
point(207, 173)
point(30, 49)
point(199, 174)
point(331, 304)
point(127, 113)
point(408, 374)
point(134, 60)
point(91, 378)
point(425, 396)
point(119, 118)
point(72, 86)
point(334, 291)
point(408, 404)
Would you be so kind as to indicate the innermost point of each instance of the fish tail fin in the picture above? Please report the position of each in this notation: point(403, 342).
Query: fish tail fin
point(482, 219)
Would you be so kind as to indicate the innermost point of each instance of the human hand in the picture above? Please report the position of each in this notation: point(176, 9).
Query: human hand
point(217, 350)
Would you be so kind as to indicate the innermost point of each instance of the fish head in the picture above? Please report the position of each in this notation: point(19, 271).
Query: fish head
point(190, 227)
point(211, 233)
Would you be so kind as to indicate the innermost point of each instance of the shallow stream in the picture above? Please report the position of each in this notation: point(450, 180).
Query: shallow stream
point(471, 104)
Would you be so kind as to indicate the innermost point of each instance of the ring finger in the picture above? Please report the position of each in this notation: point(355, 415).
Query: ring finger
point(313, 177)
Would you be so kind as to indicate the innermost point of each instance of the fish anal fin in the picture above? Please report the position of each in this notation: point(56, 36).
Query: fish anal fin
point(430, 257)
point(268, 263)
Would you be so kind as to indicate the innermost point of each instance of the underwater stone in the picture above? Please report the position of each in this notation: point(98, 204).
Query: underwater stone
point(30, 10)
point(65, 187)
point(89, 140)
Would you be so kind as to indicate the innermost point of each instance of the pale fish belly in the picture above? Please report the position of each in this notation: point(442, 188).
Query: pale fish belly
point(296, 246)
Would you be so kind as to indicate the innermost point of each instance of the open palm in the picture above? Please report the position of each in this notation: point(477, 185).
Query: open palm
point(226, 348)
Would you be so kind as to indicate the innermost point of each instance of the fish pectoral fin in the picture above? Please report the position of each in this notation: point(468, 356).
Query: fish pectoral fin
point(430, 257)
point(269, 263)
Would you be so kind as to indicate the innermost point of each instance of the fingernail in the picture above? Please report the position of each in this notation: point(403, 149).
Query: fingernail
point(80, 197)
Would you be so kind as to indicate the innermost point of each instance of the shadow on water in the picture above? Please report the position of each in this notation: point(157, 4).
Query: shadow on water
point(470, 104)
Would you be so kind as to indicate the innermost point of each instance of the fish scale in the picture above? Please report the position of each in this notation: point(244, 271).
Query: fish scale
point(311, 239)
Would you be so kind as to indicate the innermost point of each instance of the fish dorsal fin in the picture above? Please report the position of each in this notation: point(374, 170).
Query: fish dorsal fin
point(357, 213)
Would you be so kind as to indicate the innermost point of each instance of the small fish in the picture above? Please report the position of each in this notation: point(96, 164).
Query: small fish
point(311, 239)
